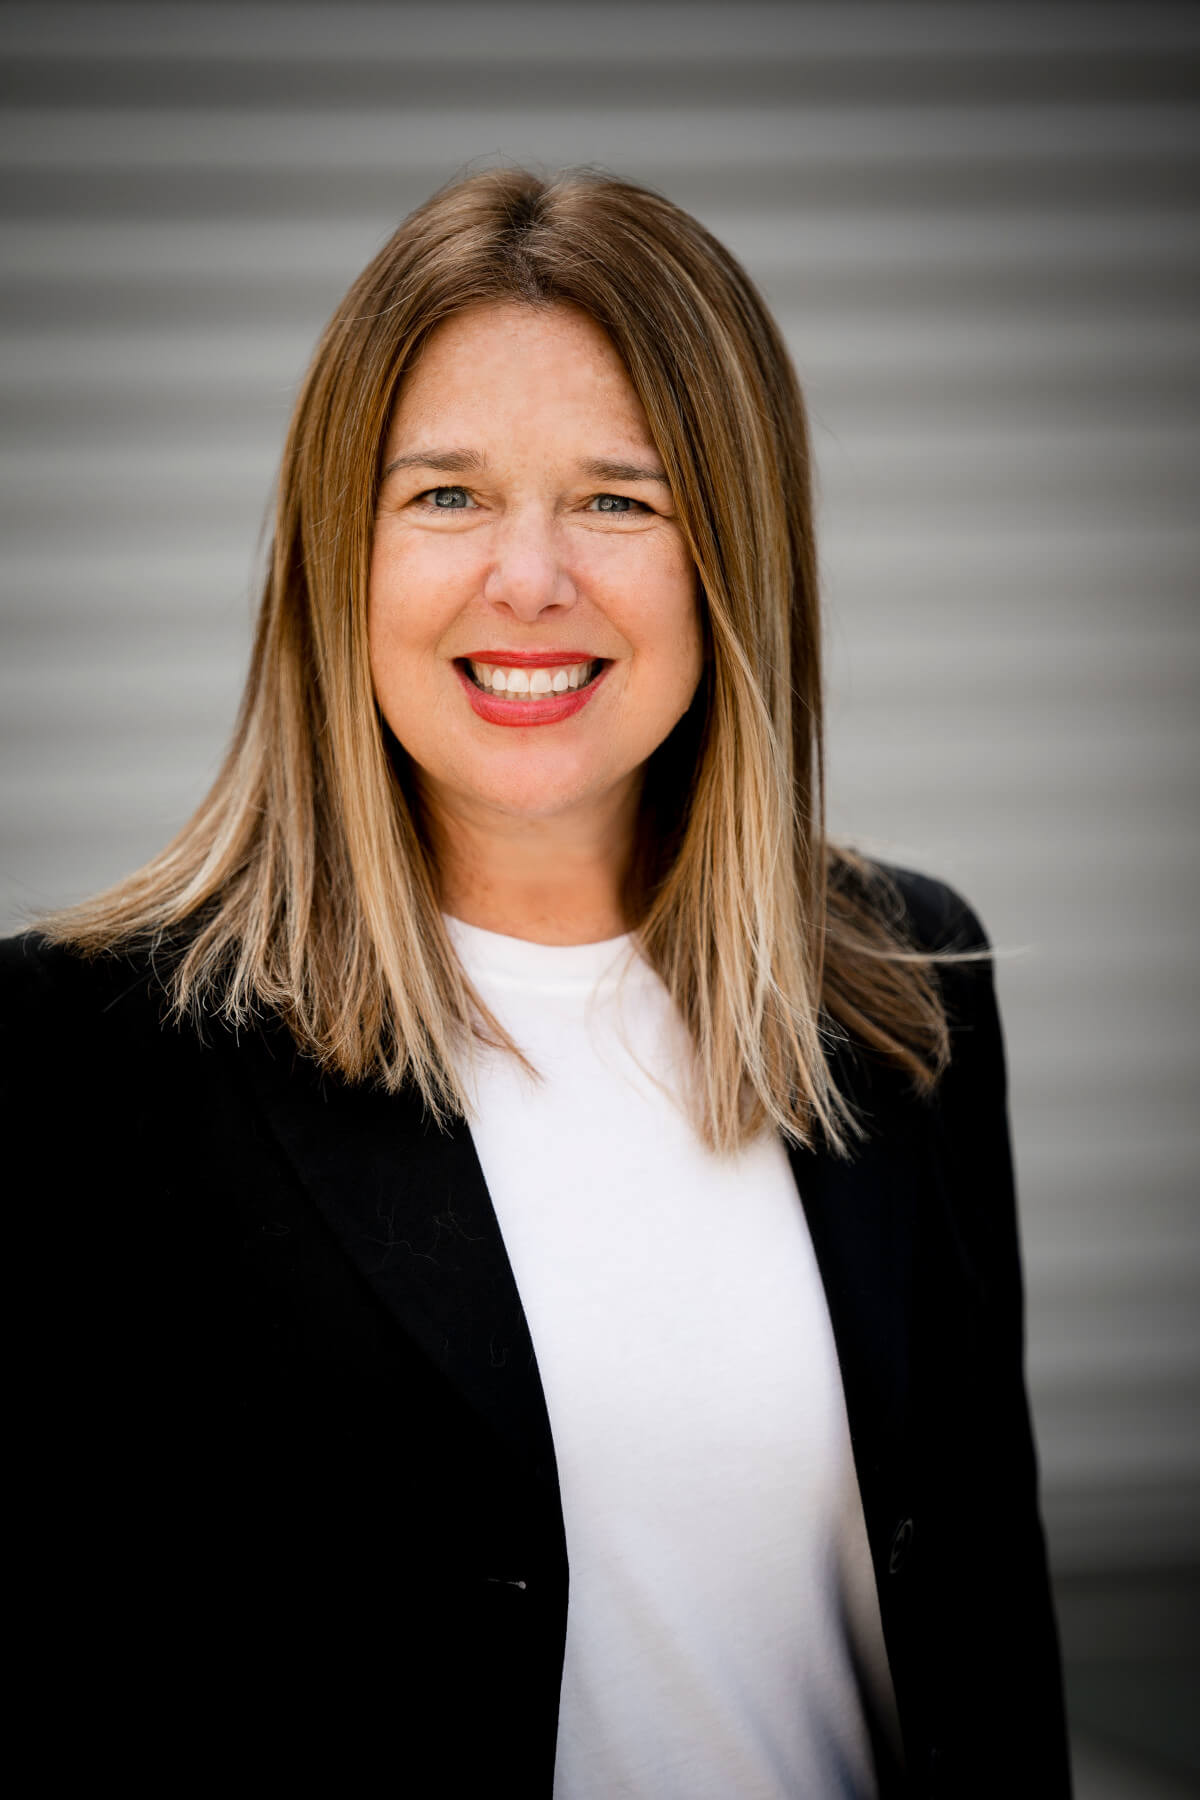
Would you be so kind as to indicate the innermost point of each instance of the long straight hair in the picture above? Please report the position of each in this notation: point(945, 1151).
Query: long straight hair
point(304, 886)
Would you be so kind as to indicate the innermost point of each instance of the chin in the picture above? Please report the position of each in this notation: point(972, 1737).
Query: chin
point(533, 793)
point(541, 800)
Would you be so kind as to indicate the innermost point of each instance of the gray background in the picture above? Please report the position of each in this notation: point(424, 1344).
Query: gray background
point(978, 227)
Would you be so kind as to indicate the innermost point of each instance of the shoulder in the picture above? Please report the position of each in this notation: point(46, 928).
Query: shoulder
point(943, 924)
point(108, 1090)
point(891, 911)
point(902, 911)
point(933, 918)
point(936, 916)
point(100, 1024)
point(41, 980)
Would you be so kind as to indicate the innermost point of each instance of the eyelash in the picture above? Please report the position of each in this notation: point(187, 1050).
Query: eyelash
point(425, 500)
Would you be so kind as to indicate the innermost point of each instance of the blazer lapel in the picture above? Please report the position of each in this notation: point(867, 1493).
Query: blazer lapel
point(409, 1205)
point(864, 1216)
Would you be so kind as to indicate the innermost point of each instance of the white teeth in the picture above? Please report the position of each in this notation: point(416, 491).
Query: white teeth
point(531, 683)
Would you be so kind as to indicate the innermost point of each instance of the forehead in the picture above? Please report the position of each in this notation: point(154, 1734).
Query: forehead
point(496, 364)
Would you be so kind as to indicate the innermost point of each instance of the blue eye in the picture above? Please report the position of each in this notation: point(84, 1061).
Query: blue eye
point(450, 499)
point(615, 503)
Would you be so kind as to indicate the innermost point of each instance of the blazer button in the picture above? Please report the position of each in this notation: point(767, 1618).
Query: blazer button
point(902, 1539)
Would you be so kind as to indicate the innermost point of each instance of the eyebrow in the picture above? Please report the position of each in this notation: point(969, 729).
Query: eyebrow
point(446, 462)
point(468, 462)
point(605, 470)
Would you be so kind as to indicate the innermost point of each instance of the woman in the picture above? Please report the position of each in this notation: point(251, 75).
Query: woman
point(532, 1295)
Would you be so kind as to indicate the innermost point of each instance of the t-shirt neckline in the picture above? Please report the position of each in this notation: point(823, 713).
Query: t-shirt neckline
point(491, 954)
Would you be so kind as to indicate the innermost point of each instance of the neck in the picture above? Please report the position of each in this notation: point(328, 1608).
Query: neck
point(557, 880)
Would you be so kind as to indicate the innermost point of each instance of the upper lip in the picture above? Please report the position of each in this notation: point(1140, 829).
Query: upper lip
point(531, 659)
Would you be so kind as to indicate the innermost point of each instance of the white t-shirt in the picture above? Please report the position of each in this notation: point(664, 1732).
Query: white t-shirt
point(720, 1584)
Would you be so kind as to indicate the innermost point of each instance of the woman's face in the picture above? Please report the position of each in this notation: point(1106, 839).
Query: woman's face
point(533, 622)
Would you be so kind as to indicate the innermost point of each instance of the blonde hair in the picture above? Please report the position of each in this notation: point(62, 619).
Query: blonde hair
point(304, 886)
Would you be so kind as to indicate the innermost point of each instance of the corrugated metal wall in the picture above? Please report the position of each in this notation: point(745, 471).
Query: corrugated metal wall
point(978, 226)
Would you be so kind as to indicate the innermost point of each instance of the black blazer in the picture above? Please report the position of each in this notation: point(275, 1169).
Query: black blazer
point(288, 1484)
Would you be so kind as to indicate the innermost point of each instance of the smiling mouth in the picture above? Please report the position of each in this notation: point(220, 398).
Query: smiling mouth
point(527, 684)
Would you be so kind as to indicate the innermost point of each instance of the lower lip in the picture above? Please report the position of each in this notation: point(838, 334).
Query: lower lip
point(523, 713)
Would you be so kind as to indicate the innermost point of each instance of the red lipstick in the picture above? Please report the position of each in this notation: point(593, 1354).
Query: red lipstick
point(529, 659)
point(546, 709)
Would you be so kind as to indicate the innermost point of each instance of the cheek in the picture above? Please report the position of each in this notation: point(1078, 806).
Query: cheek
point(668, 638)
point(408, 606)
point(683, 630)
point(656, 597)
point(383, 642)
point(377, 657)
point(693, 631)
point(394, 647)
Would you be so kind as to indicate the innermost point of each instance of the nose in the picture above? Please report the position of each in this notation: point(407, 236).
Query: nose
point(526, 577)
